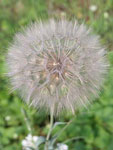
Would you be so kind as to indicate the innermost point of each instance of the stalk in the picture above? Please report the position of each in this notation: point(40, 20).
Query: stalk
point(50, 129)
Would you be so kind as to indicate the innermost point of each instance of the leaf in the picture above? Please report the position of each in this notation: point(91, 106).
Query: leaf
point(40, 141)
point(58, 123)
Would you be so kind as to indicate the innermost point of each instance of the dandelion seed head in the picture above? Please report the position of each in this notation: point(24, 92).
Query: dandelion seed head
point(57, 63)
point(106, 15)
point(93, 8)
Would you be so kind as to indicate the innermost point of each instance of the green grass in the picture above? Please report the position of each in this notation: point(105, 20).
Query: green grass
point(96, 125)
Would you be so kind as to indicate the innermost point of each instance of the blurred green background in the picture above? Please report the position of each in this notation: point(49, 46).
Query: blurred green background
point(96, 125)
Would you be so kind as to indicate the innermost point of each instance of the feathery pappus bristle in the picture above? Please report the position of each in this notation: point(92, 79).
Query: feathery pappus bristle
point(57, 63)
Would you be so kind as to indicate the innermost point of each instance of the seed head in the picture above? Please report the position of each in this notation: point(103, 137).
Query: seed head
point(57, 63)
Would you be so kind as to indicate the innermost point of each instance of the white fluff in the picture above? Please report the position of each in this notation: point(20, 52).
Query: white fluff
point(57, 63)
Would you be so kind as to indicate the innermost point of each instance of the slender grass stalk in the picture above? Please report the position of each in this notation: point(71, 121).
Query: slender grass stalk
point(74, 138)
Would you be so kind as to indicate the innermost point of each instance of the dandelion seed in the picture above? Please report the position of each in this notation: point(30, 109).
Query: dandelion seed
point(57, 63)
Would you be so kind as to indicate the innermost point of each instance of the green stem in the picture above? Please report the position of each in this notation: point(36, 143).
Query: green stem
point(50, 130)
point(26, 120)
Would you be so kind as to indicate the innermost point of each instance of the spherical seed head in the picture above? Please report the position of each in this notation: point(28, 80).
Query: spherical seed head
point(57, 63)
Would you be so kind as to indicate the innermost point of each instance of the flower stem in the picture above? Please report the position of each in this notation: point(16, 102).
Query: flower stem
point(50, 130)
point(27, 121)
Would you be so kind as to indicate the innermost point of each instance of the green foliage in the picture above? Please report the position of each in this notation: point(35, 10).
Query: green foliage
point(96, 124)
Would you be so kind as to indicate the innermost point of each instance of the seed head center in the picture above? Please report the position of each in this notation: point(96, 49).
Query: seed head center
point(54, 66)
